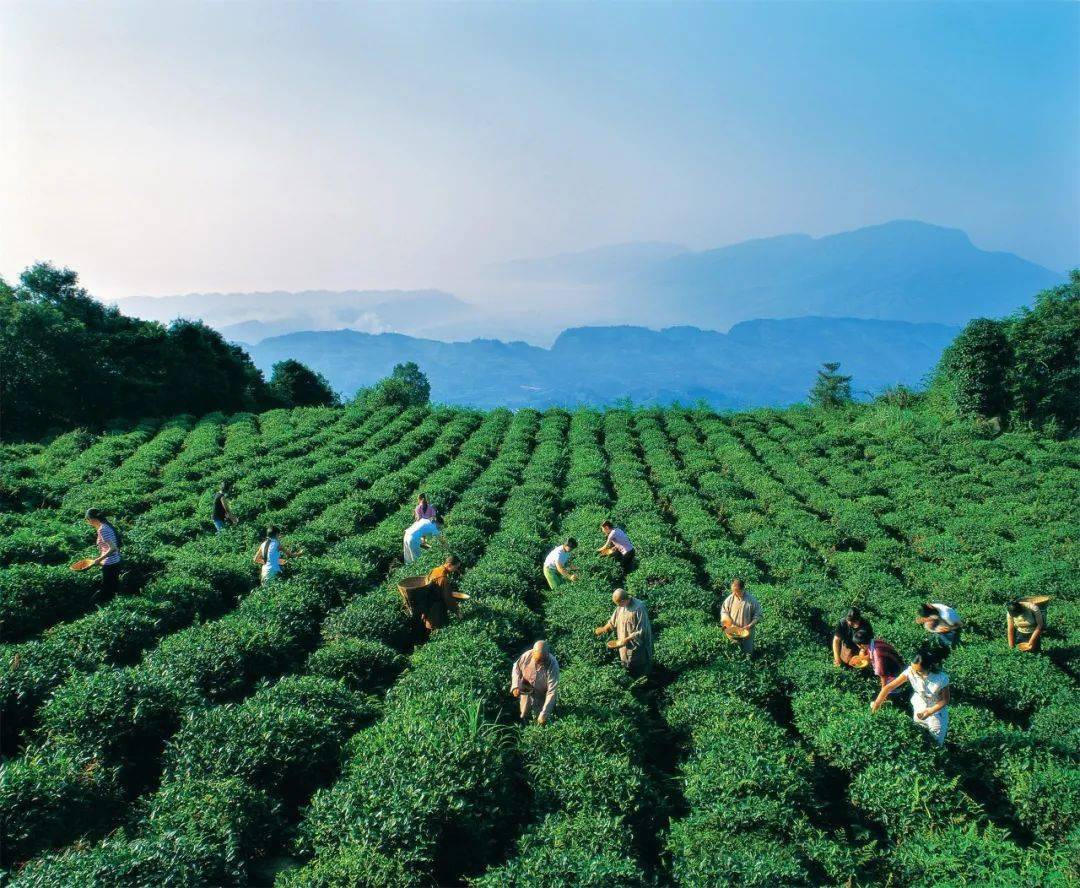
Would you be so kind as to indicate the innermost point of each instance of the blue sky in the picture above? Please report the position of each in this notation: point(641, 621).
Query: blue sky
point(162, 148)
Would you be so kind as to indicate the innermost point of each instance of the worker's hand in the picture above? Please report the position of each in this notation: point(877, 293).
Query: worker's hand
point(516, 692)
point(541, 719)
point(1012, 644)
point(875, 706)
point(1024, 645)
point(614, 643)
point(835, 662)
point(921, 716)
point(573, 578)
point(600, 630)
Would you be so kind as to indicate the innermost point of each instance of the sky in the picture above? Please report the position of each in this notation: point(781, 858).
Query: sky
point(164, 148)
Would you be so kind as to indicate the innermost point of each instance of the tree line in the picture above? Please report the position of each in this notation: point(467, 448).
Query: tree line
point(68, 360)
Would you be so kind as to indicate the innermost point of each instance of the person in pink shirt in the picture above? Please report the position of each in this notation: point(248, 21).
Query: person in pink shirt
point(424, 509)
point(884, 659)
point(618, 544)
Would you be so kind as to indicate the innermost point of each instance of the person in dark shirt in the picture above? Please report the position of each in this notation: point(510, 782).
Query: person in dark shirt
point(844, 645)
point(222, 514)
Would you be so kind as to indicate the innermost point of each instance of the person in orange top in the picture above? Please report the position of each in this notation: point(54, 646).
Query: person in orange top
point(439, 599)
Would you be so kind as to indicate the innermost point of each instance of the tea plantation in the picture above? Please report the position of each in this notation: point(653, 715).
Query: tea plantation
point(201, 729)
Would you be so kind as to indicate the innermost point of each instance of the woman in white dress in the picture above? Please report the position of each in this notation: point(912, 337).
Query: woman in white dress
point(930, 693)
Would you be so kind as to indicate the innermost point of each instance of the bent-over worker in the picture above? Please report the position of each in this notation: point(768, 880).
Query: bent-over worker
point(438, 599)
point(535, 682)
point(415, 534)
point(1026, 622)
point(741, 610)
point(557, 567)
point(941, 621)
point(108, 546)
point(844, 646)
point(930, 692)
point(884, 659)
point(617, 544)
point(633, 632)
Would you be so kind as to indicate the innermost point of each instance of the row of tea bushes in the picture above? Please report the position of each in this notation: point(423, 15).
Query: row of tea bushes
point(585, 770)
point(427, 789)
point(272, 629)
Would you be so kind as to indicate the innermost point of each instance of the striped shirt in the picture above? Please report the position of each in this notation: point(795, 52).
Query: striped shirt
point(106, 537)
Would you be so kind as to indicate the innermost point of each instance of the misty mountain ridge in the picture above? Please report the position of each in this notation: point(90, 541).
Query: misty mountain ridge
point(900, 270)
point(756, 363)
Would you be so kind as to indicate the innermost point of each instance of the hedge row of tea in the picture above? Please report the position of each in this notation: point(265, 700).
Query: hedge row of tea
point(201, 730)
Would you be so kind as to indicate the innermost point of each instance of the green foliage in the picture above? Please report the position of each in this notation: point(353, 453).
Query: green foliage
point(199, 727)
point(406, 386)
point(293, 384)
point(1025, 367)
point(831, 389)
point(70, 360)
point(973, 369)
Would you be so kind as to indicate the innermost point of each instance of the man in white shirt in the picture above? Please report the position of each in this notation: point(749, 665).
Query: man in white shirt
point(557, 568)
point(535, 682)
point(941, 621)
point(740, 611)
point(415, 534)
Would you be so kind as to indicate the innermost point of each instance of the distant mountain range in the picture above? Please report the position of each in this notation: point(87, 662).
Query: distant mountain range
point(903, 271)
point(757, 363)
point(906, 271)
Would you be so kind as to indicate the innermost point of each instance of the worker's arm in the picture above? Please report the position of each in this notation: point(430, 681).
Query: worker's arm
point(725, 614)
point(1040, 624)
point(836, 650)
point(946, 695)
point(887, 689)
point(515, 679)
point(101, 558)
point(1010, 630)
point(565, 571)
point(608, 626)
point(756, 617)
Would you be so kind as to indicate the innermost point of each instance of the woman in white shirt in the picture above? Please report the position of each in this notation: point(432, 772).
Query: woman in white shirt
point(268, 555)
point(930, 693)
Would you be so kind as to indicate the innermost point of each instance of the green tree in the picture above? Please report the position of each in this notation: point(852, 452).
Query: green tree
point(831, 389)
point(295, 385)
point(1043, 380)
point(972, 369)
point(407, 386)
point(66, 360)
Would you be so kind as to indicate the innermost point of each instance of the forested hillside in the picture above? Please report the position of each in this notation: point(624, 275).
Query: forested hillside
point(201, 729)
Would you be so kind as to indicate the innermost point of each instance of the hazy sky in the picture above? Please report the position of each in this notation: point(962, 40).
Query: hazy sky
point(162, 148)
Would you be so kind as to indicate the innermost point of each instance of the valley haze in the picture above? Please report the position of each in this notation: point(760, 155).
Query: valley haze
point(657, 305)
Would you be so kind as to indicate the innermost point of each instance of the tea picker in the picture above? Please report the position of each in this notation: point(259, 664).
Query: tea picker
point(930, 692)
point(534, 681)
point(416, 536)
point(844, 646)
point(1026, 622)
point(557, 567)
point(941, 621)
point(108, 545)
point(617, 544)
point(268, 556)
point(878, 654)
point(221, 513)
point(633, 632)
point(431, 598)
point(739, 615)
